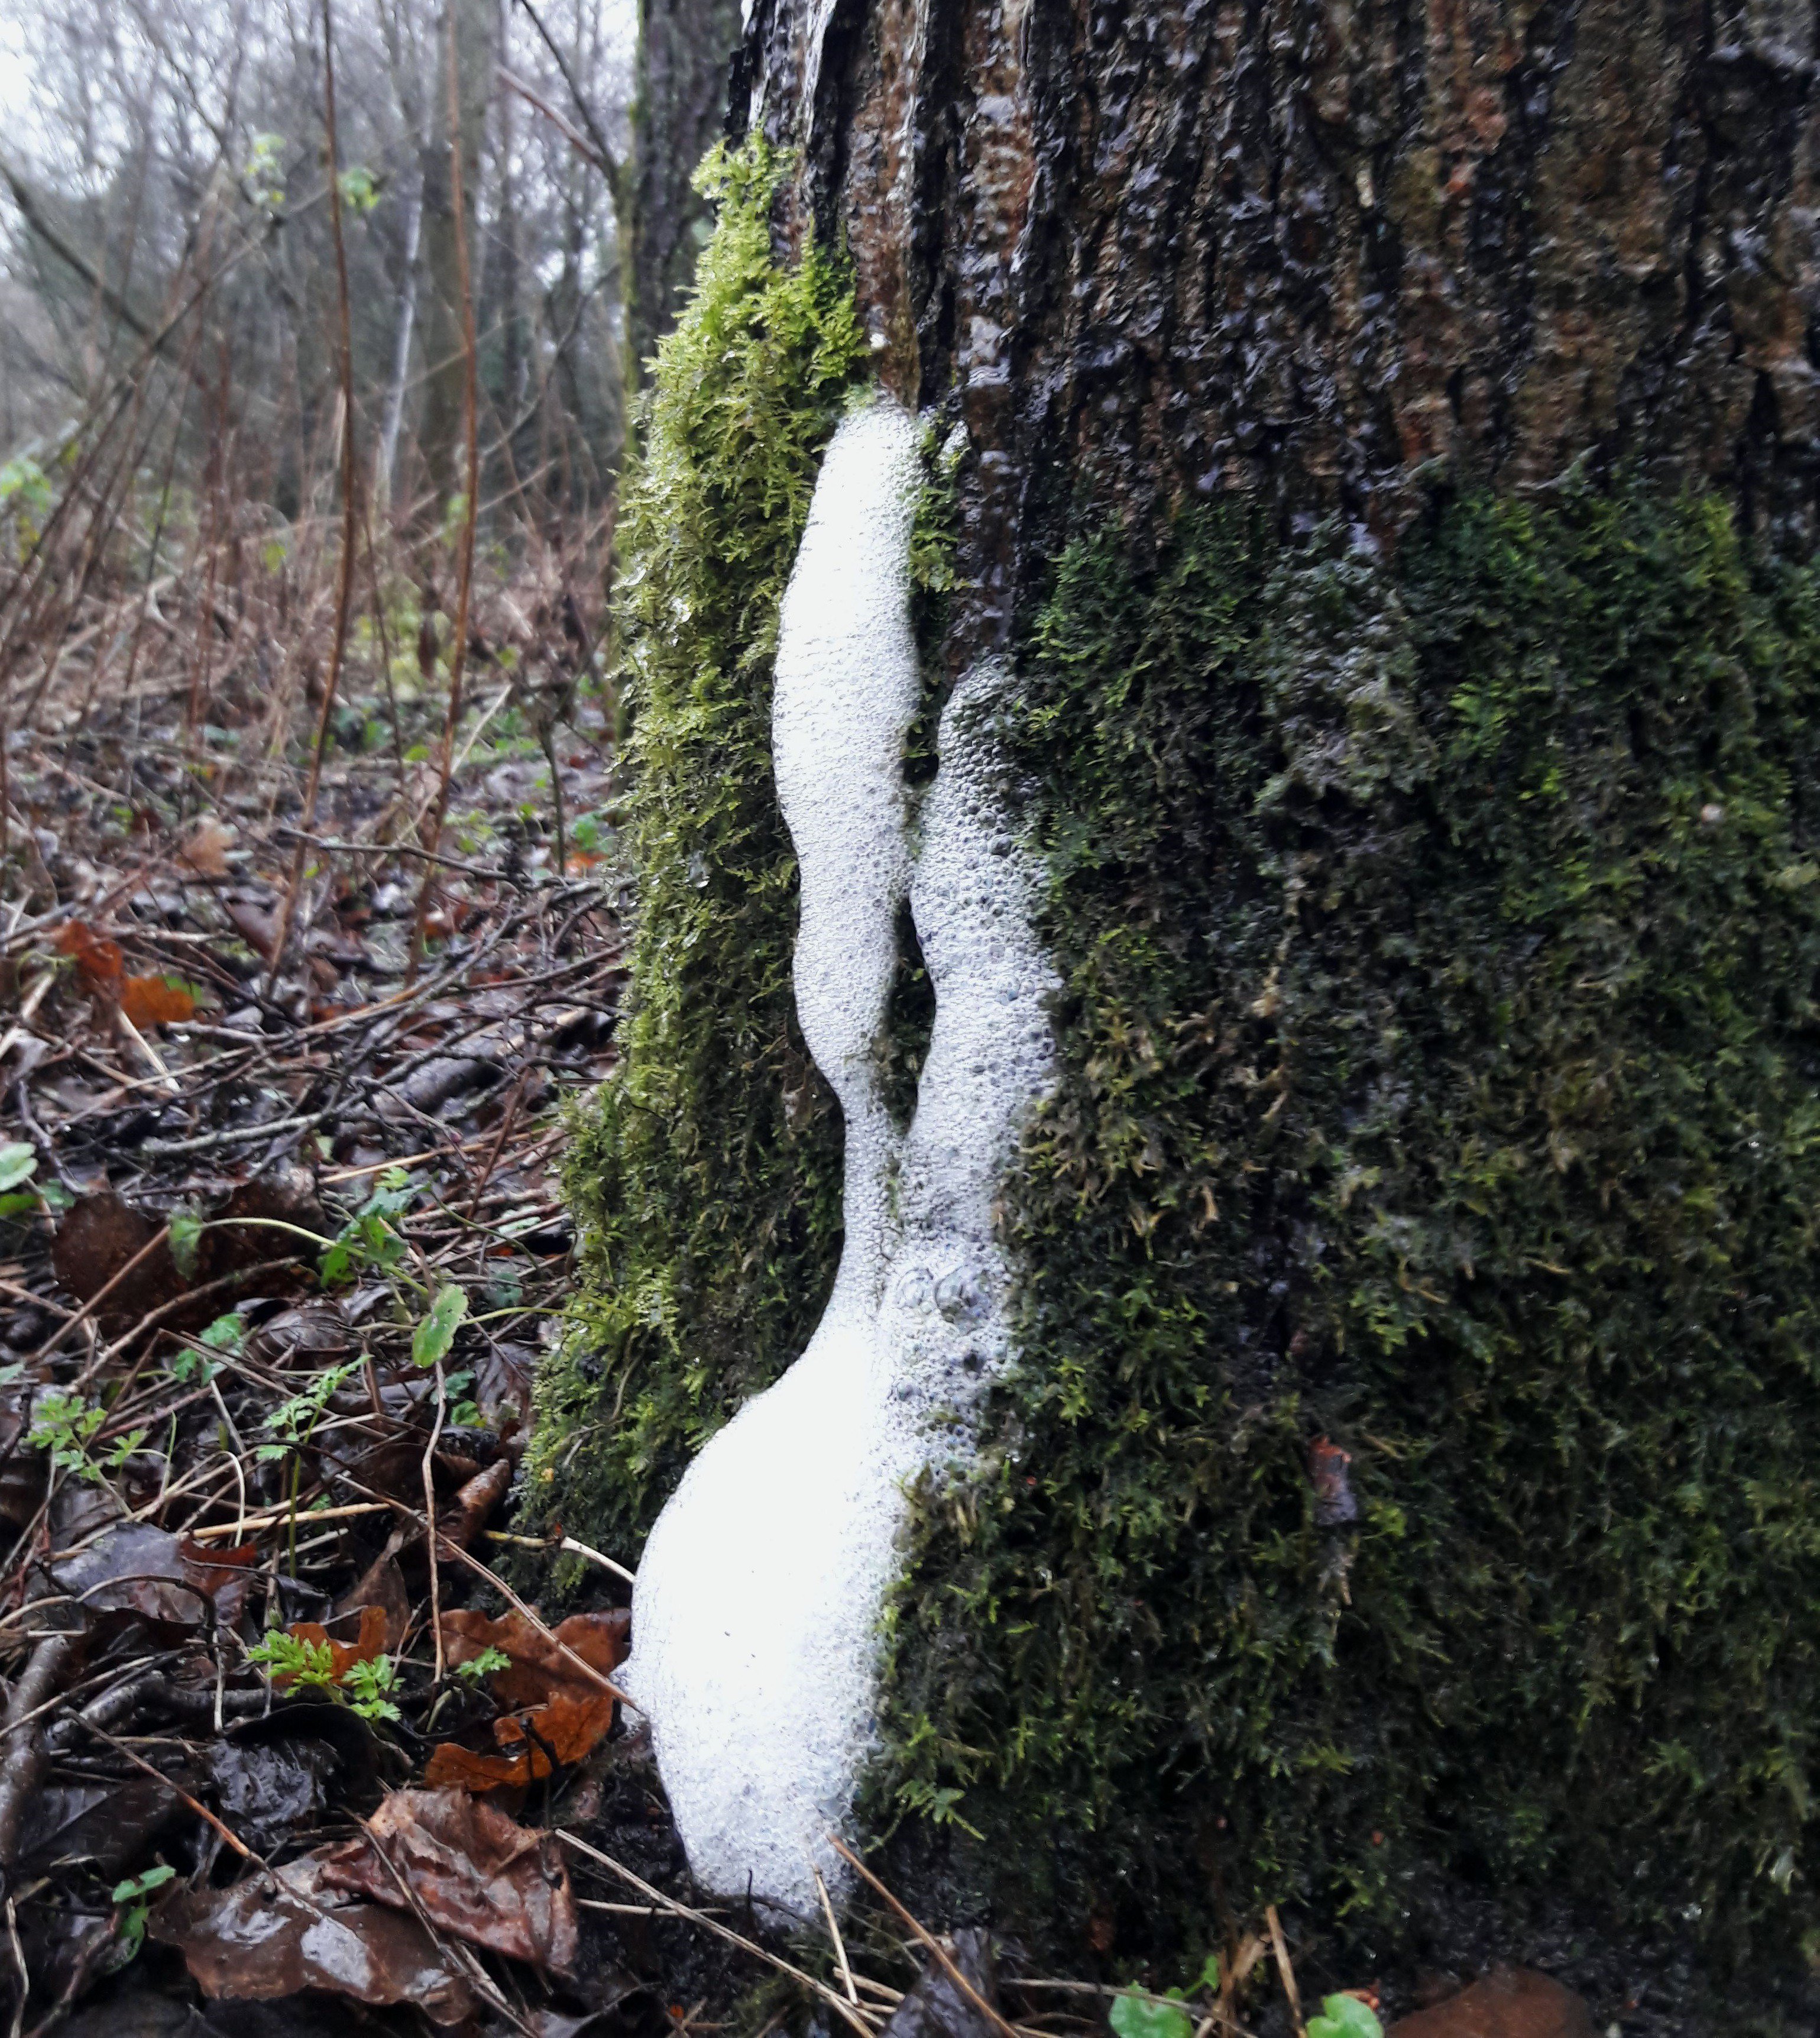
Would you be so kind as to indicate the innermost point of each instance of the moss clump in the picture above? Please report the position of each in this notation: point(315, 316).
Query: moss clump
point(707, 1174)
point(1440, 947)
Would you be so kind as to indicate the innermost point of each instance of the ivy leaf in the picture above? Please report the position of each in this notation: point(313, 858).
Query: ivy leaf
point(186, 1236)
point(18, 1162)
point(434, 1336)
point(1136, 2015)
point(1346, 2016)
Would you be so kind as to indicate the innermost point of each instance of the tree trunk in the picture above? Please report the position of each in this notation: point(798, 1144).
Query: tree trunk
point(1361, 472)
point(1307, 252)
point(459, 89)
point(685, 48)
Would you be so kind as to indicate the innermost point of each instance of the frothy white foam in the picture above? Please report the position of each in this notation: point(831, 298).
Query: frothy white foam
point(755, 1617)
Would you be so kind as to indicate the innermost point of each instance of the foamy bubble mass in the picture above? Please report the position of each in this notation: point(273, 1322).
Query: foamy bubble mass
point(756, 1613)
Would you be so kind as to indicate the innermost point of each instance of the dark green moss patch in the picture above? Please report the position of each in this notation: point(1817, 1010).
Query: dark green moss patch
point(707, 1176)
point(1440, 948)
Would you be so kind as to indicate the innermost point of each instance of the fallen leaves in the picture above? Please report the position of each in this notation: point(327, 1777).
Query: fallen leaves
point(101, 971)
point(474, 1871)
point(260, 1939)
point(174, 1585)
point(557, 1714)
point(206, 848)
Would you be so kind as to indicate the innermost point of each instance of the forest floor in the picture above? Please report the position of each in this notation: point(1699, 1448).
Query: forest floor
point(281, 1237)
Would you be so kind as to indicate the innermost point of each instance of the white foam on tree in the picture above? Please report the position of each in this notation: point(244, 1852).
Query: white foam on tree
point(756, 1614)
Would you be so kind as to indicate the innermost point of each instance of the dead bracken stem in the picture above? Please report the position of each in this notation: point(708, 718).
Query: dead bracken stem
point(1285, 1972)
point(470, 511)
point(350, 490)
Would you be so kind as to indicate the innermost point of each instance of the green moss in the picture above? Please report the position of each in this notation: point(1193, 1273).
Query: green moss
point(1440, 1049)
point(707, 1174)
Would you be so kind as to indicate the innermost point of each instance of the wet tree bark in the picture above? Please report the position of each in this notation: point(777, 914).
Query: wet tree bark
point(684, 49)
point(1333, 255)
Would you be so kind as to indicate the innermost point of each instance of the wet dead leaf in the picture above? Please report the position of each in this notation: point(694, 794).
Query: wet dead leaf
point(156, 1000)
point(558, 1713)
point(537, 1744)
point(99, 964)
point(256, 1941)
point(268, 1790)
point(100, 1235)
point(256, 927)
point(381, 1586)
point(205, 851)
point(476, 1872)
point(539, 1666)
point(165, 1580)
point(109, 1823)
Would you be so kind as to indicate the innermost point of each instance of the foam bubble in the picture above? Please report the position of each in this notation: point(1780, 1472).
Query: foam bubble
point(756, 1612)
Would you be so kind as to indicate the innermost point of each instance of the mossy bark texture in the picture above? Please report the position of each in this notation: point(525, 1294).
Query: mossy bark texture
point(1384, 439)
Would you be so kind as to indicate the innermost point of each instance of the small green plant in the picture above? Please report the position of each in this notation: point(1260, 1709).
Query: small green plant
point(369, 1241)
point(1137, 2013)
point(264, 171)
point(483, 1666)
point(293, 1423)
point(434, 1337)
point(370, 1686)
point(227, 1334)
point(67, 1427)
point(18, 1163)
point(186, 1238)
point(297, 1660)
point(366, 1687)
point(132, 1893)
point(1346, 2016)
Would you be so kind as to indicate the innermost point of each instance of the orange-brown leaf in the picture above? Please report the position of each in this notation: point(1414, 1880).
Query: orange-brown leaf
point(156, 1000)
point(205, 851)
point(569, 1728)
point(99, 962)
point(450, 1763)
point(344, 1655)
point(539, 1668)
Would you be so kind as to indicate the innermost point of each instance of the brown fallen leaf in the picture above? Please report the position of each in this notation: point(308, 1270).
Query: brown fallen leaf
point(256, 927)
point(252, 1943)
point(475, 1872)
point(381, 1586)
point(206, 850)
point(99, 1236)
point(538, 1743)
point(539, 1666)
point(156, 1000)
point(100, 964)
point(166, 1580)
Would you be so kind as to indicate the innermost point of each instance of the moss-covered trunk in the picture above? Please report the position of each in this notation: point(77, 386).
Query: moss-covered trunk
point(1383, 438)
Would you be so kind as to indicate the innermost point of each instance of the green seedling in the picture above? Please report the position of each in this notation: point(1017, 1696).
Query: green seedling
point(369, 1241)
point(1346, 2016)
point(364, 1688)
point(1136, 2013)
point(66, 1427)
point(132, 1893)
point(434, 1337)
point(483, 1666)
